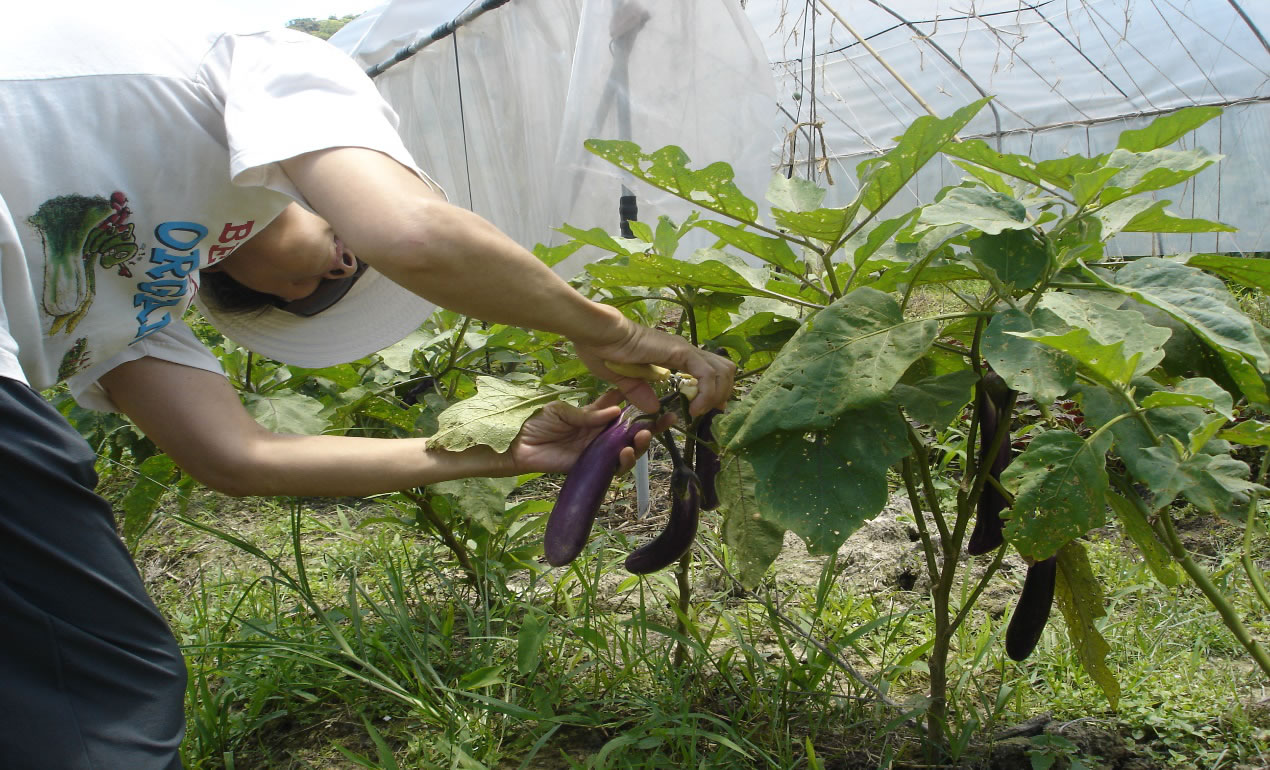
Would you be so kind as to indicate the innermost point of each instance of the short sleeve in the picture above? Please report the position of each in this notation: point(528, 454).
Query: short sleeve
point(287, 93)
point(174, 342)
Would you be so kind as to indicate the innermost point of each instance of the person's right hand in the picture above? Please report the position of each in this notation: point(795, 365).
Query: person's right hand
point(627, 342)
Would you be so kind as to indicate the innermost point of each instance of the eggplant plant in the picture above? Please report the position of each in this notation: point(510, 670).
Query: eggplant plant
point(847, 384)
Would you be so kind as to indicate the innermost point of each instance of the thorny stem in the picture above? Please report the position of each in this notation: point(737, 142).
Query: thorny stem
point(1250, 567)
point(443, 531)
point(928, 485)
point(914, 502)
point(1211, 591)
point(974, 595)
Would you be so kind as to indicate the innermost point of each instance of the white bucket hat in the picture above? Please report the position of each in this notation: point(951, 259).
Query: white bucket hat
point(374, 314)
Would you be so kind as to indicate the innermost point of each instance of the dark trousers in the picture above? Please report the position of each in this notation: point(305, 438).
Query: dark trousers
point(90, 675)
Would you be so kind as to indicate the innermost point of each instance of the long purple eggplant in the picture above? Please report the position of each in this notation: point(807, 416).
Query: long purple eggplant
point(1033, 609)
point(675, 540)
point(995, 402)
point(573, 515)
point(706, 461)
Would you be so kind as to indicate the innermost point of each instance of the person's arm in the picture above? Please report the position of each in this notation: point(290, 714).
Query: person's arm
point(195, 416)
point(393, 221)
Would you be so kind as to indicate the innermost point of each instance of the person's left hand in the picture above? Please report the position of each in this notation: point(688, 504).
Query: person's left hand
point(550, 441)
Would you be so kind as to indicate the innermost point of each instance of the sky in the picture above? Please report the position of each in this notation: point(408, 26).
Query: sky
point(279, 12)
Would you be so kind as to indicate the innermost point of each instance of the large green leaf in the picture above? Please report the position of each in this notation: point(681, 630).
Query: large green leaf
point(287, 411)
point(936, 401)
point(924, 138)
point(480, 500)
point(1026, 365)
point(1154, 219)
point(773, 250)
point(1213, 483)
point(1152, 170)
point(794, 193)
point(1058, 484)
point(1166, 129)
point(984, 210)
point(1252, 272)
point(755, 542)
point(667, 169)
point(1107, 363)
point(1197, 391)
point(1017, 257)
point(981, 153)
point(492, 417)
point(1203, 304)
point(849, 355)
point(824, 488)
point(1109, 325)
point(821, 224)
point(655, 271)
point(1080, 599)
point(595, 237)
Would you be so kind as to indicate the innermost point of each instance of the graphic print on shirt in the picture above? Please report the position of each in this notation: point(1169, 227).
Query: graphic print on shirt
point(78, 232)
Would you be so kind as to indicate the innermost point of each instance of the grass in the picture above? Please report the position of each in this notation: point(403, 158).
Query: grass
point(371, 650)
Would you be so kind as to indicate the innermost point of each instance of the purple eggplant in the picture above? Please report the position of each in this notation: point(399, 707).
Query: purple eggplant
point(1033, 609)
point(675, 540)
point(706, 461)
point(569, 524)
point(995, 402)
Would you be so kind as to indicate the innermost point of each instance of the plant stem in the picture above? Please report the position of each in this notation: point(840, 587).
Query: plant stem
point(1250, 567)
point(1211, 591)
point(443, 532)
point(683, 578)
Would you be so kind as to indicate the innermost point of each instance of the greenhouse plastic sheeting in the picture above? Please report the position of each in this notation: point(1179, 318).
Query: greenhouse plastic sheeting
point(497, 112)
point(1067, 76)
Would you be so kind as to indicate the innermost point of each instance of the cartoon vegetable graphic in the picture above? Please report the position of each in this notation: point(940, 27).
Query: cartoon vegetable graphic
point(1032, 610)
point(675, 540)
point(706, 461)
point(995, 402)
point(570, 521)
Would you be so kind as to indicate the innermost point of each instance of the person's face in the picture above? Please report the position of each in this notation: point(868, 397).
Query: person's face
point(290, 257)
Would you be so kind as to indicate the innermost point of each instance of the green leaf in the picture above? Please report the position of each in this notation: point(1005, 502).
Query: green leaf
point(981, 153)
point(1153, 170)
point(1202, 303)
point(139, 504)
point(825, 488)
point(480, 500)
point(594, 237)
point(794, 194)
point(984, 210)
point(773, 250)
point(821, 224)
point(1135, 524)
point(1167, 129)
point(656, 271)
point(1198, 391)
point(1248, 433)
point(1058, 484)
point(923, 139)
point(287, 412)
point(491, 417)
point(1080, 599)
point(1026, 365)
point(936, 401)
point(486, 676)
point(1252, 272)
point(1109, 325)
point(1214, 483)
point(1155, 219)
point(1108, 363)
point(553, 255)
point(1016, 257)
point(533, 632)
point(667, 169)
point(755, 542)
point(849, 355)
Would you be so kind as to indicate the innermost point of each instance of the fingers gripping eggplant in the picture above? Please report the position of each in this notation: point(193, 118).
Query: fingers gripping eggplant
point(706, 461)
point(1033, 609)
point(575, 510)
point(675, 540)
point(995, 401)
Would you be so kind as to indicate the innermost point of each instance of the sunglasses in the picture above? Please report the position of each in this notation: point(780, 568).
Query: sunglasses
point(328, 292)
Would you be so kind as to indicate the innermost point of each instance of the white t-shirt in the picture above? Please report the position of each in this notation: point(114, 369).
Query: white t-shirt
point(136, 150)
